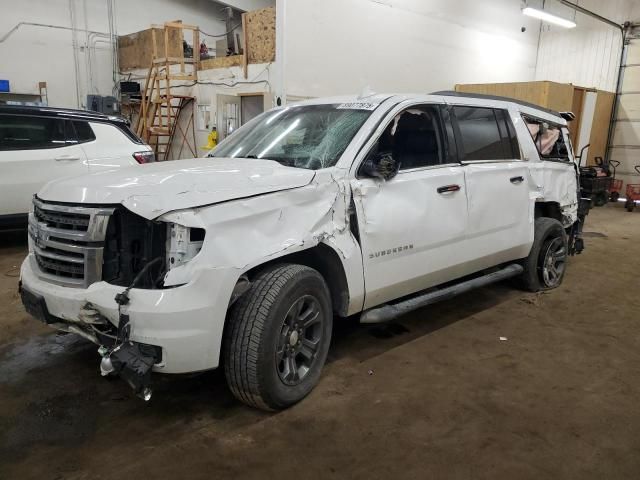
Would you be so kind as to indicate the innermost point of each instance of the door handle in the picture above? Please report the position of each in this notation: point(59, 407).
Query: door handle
point(518, 179)
point(67, 158)
point(448, 189)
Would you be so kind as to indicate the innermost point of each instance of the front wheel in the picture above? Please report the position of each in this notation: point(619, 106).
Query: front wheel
point(545, 266)
point(630, 205)
point(614, 197)
point(277, 337)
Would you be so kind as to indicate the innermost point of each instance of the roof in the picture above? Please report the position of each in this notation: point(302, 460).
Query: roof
point(67, 113)
point(379, 98)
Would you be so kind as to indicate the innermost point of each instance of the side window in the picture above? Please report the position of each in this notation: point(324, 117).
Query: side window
point(414, 138)
point(84, 132)
point(485, 134)
point(548, 139)
point(21, 132)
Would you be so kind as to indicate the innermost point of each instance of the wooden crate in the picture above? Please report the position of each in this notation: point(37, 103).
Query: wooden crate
point(135, 50)
point(556, 96)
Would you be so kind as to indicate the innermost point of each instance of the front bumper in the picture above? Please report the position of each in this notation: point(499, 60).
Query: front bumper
point(186, 322)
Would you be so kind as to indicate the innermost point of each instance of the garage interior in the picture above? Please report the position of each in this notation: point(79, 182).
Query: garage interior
point(498, 383)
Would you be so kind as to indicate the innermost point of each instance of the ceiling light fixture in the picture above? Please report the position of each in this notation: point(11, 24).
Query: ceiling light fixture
point(548, 17)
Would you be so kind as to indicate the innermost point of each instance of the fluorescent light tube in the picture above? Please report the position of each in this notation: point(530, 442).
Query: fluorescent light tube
point(548, 17)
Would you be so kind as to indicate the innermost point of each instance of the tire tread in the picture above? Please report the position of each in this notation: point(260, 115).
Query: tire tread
point(246, 324)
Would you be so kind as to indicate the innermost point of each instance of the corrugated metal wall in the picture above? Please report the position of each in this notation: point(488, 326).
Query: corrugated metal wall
point(625, 147)
point(587, 55)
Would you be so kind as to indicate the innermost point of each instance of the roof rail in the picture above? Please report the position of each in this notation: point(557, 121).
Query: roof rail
point(451, 93)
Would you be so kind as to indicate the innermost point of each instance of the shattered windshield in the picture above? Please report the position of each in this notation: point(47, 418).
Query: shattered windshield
point(308, 136)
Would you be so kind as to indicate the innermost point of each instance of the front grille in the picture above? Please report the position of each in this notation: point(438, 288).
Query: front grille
point(67, 242)
point(62, 220)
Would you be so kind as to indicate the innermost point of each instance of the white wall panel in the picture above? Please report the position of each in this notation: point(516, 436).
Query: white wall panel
point(341, 46)
point(587, 55)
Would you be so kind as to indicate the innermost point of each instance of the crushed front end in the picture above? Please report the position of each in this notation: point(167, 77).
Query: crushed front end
point(98, 271)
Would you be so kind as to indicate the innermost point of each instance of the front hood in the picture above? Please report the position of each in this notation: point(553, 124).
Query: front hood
point(154, 189)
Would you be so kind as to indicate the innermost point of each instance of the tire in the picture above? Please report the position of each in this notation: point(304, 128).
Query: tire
point(275, 346)
point(540, 271)
point(630, 205)
point(600, 199)
point(614, 196)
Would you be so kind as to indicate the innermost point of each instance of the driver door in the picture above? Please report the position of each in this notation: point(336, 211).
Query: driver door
point(413, 226)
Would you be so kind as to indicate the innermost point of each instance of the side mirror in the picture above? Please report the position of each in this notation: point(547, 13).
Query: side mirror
point(380, 165)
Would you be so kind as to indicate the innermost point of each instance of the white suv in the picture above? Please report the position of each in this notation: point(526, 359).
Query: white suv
point(309, 213)
point(39, 144)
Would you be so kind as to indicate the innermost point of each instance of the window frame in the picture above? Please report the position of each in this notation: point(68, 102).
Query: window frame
point(449, 155)
point(546, 158)
point(513, 141)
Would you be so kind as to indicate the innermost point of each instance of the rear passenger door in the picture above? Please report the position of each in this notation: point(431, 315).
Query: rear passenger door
point(500, 209)
point(33, 151)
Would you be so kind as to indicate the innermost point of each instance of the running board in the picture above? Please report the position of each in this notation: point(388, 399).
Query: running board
point(388, 312)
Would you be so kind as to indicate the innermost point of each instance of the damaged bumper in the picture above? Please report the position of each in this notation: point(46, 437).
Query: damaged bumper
point(183, 325)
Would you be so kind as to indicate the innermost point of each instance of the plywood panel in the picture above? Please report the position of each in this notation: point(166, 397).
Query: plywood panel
point(576, 107)
point(136, 50)
point(552, 95)
point(221, 62)
point(559, 96)
point(261, 35)
point(533, 92)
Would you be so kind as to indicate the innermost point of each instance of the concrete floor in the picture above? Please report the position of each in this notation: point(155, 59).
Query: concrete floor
point(436, 395)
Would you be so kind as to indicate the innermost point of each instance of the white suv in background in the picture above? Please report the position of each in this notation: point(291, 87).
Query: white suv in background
point(39, 144)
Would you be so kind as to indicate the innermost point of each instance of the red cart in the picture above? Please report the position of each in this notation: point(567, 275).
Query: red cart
point(633, 193)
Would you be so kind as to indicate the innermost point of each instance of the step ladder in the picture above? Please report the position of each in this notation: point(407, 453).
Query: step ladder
point(159, 121)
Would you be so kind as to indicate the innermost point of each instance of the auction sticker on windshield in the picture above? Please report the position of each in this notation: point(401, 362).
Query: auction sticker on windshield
point(358, 106)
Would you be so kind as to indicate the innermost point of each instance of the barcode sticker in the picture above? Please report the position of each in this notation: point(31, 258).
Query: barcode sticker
point(358, 106)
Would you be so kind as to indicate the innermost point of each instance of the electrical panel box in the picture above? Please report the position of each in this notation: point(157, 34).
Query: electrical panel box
point(103, 104)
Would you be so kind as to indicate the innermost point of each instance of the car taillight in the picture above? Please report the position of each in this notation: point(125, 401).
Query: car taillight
point(144, 157)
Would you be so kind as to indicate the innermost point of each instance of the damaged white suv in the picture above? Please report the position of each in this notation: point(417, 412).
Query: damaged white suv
point(324, 209)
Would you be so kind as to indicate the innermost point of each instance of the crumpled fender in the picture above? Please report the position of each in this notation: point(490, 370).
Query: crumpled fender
point(244, 233)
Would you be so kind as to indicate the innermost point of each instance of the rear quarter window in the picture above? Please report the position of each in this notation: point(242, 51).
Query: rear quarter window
point(84, 132)
point(548, 139)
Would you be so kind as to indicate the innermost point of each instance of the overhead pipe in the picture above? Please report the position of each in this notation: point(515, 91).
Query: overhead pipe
point(584, 11)
point(45, 25)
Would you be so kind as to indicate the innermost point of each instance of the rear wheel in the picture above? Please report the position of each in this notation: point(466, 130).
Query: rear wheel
point(630, 205)
point(278, 336)
point(614, 196)
point(545, 266)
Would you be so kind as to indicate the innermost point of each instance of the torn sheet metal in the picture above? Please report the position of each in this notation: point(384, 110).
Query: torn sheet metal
point(263, 228)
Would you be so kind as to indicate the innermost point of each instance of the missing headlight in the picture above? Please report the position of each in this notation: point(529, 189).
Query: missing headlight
point(183, 243)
